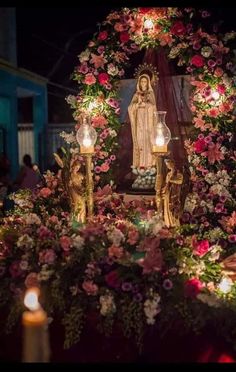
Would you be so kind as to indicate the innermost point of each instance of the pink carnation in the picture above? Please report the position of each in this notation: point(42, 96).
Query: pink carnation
point(115, 251)
point(99, 121)
point(45, 192)
point(90, 287)
point(90, 79)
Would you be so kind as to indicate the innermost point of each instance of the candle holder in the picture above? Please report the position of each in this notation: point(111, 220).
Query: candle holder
point(86, 137)
point(168, 179)
point(160, 138)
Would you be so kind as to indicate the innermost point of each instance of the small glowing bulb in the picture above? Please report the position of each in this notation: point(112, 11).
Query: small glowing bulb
point(215, 95)
point(225, 285)
point(31, 299)
point(148, 24)
point(160, 141)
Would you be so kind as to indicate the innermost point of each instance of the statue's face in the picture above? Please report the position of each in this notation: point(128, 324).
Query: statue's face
point(143, 83)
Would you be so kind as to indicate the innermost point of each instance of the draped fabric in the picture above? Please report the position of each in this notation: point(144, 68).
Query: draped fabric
point(167, 101)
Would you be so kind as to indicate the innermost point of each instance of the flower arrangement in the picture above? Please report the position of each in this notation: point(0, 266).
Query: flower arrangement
point(124, 258)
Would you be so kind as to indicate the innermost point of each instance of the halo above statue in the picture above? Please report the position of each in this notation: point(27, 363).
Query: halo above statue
point(148, 69)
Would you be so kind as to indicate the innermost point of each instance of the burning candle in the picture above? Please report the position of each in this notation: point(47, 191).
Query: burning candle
point(35, 322)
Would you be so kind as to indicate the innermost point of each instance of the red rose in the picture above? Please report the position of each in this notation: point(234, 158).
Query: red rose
point(102, 35)
point(197, 60)
point(201, 248)
point(124, 37)
point(103, 78)
point(113, 279)
point(199, 146)
point(178, 28)
point(192, 287)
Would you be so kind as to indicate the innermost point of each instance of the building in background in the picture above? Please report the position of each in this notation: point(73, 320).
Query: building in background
point(18, 84)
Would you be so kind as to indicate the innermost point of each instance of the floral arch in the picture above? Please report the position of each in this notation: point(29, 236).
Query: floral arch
point(188, 273)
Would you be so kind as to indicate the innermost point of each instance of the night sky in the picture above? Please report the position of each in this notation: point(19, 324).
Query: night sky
point(44, 33)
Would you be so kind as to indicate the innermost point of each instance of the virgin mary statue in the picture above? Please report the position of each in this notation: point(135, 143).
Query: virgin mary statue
point(141, 114)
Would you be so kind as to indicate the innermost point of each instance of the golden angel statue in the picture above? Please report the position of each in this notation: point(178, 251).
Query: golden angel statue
point(170, 193)
point(73, 181)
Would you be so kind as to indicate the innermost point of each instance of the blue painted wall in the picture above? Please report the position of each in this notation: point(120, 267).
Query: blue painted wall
point(9, 82)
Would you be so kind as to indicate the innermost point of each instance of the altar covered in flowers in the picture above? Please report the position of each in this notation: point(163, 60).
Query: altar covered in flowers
point(112, 262)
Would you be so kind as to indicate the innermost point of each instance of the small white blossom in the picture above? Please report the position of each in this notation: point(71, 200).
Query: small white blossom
point(78, 242)
point(107, 304)
point(115, 236)
point(25, 241)
point(32, 219)
point(84, 56)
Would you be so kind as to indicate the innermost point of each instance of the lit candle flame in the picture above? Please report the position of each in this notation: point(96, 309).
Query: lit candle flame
point(160, 141)
point(87, 142)
point(31, 299)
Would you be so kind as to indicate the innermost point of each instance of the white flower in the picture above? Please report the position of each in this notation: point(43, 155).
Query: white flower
point(152, 308)
point(84, 56)
point(68, 137)
point(78, 242)
point(25, 241)
point(45, 273)
point(112, 133)
point(112, 69)
point(210, 300)
point(32, 219)
point(215, 252)
point(107, 304)
point(115, 236)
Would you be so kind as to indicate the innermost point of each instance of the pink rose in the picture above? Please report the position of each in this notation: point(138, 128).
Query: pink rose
point(90, 79)
point(103, 78)
point(45, 192)
point(197, 60)
point(201, 248)
point(178, 28)
point(104, 167)
point(32, 280)
point(65, 242)
point(192, 287)
point(90, 287)
point(102, 35)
